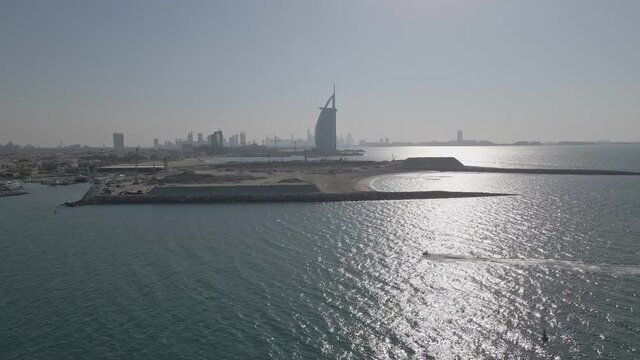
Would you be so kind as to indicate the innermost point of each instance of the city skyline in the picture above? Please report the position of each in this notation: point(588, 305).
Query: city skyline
point(75, 72)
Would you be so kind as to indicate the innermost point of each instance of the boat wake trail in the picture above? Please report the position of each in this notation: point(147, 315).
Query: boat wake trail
point(619, 269)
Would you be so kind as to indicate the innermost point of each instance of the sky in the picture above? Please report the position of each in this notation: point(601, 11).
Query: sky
point(77, 71)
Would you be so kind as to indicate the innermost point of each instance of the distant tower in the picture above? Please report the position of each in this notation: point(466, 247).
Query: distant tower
point(118, 143)
point(190, 138)
point(310, 138)
point(217, 139)
point(460, 138)
point(156, 143)
point(243, 139)
point(325, 135)
point(349, 140)
point(200, 139)
point(220, 138)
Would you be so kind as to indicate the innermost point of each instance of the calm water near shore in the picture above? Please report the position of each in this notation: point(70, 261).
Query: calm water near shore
point(337, 280)
point(602, 157)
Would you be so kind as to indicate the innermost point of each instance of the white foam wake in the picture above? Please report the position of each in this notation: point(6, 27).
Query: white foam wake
point(626, 269)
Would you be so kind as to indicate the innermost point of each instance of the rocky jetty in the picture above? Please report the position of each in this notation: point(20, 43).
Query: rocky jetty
point(454, 165)
point(276, 198)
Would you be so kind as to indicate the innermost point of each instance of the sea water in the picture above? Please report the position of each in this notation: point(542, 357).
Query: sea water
point(337, 280)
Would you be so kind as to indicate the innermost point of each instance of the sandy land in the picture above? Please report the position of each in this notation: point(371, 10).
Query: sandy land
point(327, 177)
point(330, 177)
point(359, 180)
point(365, 183)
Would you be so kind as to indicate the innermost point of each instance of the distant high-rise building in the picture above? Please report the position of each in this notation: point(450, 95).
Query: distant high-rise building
point(243, 139)
point(220, 138)
point(325, 135)
point(200, 139)
point(310, 138)
point(234, 140)
point(118, 143)
point(460, 138)
point(190, 138)
point(217, 139)
point(156, 143)
point(349, 140)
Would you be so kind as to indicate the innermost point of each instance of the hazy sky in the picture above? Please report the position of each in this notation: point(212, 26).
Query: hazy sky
point(76, 71)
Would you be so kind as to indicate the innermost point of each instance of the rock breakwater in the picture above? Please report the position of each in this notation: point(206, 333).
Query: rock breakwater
point(276, 198)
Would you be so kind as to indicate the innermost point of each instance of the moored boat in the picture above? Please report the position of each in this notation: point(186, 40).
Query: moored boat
point(10, 185)
point(57, 181)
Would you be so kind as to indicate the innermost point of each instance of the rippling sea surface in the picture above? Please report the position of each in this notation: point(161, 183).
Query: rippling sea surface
point(337, 280)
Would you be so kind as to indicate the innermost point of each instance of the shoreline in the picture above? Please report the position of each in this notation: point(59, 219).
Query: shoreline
point(364, 184)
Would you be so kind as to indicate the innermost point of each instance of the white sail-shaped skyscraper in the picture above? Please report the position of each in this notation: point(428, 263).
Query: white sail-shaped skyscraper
point(326, 126)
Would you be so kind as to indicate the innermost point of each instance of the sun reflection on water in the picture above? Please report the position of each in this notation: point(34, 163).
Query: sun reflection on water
point(500, 290)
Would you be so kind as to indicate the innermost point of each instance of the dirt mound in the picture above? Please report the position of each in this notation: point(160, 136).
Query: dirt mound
point(432, 163)
point(194, 178)
point(291, 181)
